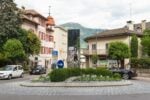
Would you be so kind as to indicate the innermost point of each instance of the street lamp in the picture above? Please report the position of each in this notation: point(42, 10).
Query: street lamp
point(96, 47)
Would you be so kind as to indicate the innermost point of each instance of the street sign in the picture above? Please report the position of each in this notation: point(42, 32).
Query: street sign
point(60, 64)
point(55, 53)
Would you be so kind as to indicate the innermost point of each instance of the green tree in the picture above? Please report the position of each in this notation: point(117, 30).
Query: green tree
point(33, 44)
point(10, 21)
point(30, 41)
point(145, 42)
point(14, 50)
point(3, 59)
point(119, 51)
point(94, 58)
point(134, 46)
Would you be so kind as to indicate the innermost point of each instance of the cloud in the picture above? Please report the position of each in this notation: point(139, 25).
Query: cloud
point(92, 13)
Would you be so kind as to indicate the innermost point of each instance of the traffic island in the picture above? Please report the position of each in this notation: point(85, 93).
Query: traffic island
point(77, 84)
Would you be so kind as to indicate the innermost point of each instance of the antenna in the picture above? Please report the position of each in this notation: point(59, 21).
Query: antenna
point(130, 6)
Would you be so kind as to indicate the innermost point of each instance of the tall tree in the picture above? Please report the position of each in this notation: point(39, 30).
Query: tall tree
point(31, 43)
point(14, 50)
point(10, 20)
point(146, 43)
point(119, 51)
point(134, 46)
point(94, 58)
point(34, 43)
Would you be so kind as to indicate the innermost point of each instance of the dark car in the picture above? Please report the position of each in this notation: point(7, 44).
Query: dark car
point(125, 73)
point(39, 69)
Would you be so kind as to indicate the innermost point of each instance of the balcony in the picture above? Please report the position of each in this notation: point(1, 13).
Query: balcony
point(49, 44)
point(91, 52)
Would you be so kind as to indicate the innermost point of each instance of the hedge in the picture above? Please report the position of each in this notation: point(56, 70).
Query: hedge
point(58, 75)
point(140, 63)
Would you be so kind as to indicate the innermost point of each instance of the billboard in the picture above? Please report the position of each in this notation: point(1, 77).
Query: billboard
point(74, 48)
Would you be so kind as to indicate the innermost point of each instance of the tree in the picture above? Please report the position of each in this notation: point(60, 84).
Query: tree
point(14, 50)
point(145, 42)
point(34, 43)
point(30, 41)
point(134, 46)
point(118, 51)
point(94, 58)
point(10, 21)
point(3, 59)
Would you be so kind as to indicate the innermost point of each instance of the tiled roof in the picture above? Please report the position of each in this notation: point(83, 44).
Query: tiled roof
point(114, 32)
point(27, 18)
point(34, 13)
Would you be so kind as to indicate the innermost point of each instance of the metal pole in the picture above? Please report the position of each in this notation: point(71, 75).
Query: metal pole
point(96, 46)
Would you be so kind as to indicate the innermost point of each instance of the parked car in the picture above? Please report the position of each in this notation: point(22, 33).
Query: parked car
point(11, 71)
point(125, 73)
point(39, 69)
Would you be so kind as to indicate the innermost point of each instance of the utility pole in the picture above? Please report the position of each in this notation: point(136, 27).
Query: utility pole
point(96, 47)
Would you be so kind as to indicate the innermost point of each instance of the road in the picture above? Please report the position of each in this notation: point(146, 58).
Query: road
point(11, 90)
point(79, 97)
point(25, 78)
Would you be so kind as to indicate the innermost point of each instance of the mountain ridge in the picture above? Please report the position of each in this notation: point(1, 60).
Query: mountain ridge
point(84, 31)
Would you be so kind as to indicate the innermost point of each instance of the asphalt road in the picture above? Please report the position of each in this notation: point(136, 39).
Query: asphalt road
point(26, 77)
point(81, 97)
point(10, 90)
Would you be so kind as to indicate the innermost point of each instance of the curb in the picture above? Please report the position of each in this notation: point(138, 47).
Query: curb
point(79, 84)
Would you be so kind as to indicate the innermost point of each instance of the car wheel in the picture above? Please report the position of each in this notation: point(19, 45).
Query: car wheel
point(125, 76)
point(21, 76)
point(10, 77)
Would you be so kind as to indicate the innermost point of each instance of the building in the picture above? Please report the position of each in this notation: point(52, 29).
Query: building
point(60, 45)
point(44, 28)
point(98, 44)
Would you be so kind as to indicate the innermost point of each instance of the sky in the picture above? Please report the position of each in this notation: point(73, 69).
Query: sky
point(104, 14)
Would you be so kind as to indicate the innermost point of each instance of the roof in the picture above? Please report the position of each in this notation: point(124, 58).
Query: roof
point(28, 19)
point(114, 32)
point(139, 25)
point(50, 21)
point(34, 13)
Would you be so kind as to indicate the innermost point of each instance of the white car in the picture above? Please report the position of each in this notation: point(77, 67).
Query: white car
point(11, 71)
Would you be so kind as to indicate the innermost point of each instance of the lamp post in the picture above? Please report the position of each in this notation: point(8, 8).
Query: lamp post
point(96, 47)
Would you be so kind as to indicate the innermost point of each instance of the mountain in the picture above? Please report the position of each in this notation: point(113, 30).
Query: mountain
point(84, 31)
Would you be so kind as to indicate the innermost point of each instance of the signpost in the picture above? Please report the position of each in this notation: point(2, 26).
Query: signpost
point(60, 64)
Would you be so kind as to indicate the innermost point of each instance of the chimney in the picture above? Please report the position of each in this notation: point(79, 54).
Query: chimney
point(130, 25)
point(143, 24)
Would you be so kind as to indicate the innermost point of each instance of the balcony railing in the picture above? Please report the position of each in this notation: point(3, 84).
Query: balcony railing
point(98, 52)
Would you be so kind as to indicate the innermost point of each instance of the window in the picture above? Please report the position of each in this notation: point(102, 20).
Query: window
point(51, 38)
point(93, 46)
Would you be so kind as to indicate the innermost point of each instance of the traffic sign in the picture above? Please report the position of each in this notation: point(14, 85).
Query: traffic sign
point(60, 64)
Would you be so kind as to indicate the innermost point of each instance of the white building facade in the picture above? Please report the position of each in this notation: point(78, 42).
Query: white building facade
point(60, 44)
point(43, 28)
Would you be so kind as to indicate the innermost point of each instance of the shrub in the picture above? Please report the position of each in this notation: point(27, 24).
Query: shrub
point(117, 76)
point(134, 63)
point(58, 75)
point(89, 71)
point(140, 63)
point(74, 71)
point(103, 71)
